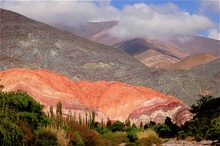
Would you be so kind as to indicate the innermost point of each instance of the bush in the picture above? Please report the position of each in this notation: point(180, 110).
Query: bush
point(28, 133)
point(115, 138)
point(89, 137)
point(163, 130)
point(117, 126)
point(103, 130)
point(46, 137)
point(10, 133)
point(148, 137)
point(214, 131)
point(132, 134)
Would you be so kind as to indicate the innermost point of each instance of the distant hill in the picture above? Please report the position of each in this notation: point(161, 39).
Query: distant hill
point(211, 69)
point(155, 59)
point(192, 60)
point(87, 30)
point(196, 45)
point(153, 53)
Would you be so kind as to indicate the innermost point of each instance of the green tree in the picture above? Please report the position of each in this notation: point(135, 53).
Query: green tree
point(206, 106)
point(204, 123)
point(132, 133)
point(117, 126)
point(10, 133)
point(20, 115)
point(59, 114)
point(141, 124)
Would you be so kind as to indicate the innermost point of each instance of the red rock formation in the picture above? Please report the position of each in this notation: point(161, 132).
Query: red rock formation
point(115, 100)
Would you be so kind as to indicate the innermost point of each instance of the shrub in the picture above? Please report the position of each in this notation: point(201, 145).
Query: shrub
point(117, 126)
point(132, 134)
point(46, 137)
point(148, 137)
point(10, 133)
point(89, 137)
point(115, 138)
point(163, 130)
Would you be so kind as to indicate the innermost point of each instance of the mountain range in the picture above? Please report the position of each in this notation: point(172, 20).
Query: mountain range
point(26, 43)
point(167, 51)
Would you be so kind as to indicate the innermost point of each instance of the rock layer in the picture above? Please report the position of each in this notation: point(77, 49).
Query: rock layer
point(113, 100)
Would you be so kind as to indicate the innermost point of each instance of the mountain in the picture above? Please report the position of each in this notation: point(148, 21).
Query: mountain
point(196, 45)
point(192, 60)
point(153, 53)
point(155, 59)
point(31, 44)
point(114, 100)
point(211, 69)
point(189, 46)
point(87, 30)
point(164, 52)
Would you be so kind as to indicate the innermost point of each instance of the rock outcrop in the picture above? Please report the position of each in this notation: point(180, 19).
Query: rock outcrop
point(113, 100)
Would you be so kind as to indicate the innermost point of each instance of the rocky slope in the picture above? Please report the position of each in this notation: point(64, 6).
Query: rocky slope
point(153, 53)
point(211, 69)
point(191, 61)
point(196, 45)
point(114, 100)
point(36, 45)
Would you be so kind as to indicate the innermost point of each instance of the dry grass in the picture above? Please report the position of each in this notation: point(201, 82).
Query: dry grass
point(149, 137)
point(62, 137)
point(147, 134)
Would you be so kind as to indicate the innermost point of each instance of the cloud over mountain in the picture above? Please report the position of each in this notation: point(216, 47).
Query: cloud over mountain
point(164, 21)
point(138, 20)
point(72, 13)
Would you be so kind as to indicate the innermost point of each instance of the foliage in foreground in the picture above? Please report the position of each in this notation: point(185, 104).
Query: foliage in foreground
point(206, 122)
point(20, 117)
point(24, 123)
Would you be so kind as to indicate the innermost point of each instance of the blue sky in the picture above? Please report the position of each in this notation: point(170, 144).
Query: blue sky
point(191, 6)
point(156, 19)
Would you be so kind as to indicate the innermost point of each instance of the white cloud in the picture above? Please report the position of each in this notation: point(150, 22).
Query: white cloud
point(164, 22)
point(138, 20)
point(71, 12)
point(210, 5)
point(214, 34)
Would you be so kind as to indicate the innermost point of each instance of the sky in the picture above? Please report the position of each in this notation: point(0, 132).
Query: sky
point(155, 19)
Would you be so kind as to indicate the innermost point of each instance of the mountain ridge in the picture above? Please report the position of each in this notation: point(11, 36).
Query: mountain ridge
point(38, 45)
point(33, 45)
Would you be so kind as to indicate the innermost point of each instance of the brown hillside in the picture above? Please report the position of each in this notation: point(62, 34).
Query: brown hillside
point(196, 45)
point(155, 59)
point(192, 60)
point(115, 100)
